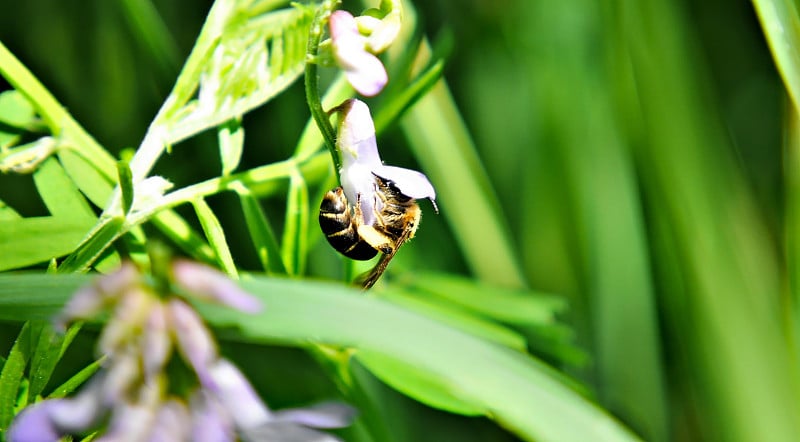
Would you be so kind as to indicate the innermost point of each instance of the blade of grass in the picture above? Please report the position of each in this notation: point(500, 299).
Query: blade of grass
point(442, 144)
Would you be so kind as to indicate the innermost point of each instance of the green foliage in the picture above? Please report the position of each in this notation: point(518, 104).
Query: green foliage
point(617, 252)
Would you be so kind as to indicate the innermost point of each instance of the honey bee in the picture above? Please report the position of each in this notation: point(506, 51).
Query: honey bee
point(397, 217)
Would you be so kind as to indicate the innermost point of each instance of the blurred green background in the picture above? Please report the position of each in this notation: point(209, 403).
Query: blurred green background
point(636, 150)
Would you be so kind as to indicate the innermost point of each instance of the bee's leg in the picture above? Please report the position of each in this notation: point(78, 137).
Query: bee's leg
point(379, 241)
point(358, 215)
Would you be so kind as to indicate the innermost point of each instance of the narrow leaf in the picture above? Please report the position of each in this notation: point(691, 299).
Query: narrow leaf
point(60, 195)
point(521, 393)
point(466, 321)
point(231, 144)
point(77, 380)
point(126, 185)
point(215, 235)
point(93, 245)
point(262, 235)
point(7, 213)
point(522, 307)
point(12, 375)
point(182, 234)
point(89, 179)
point(15, 110)
point(29, 241)
point(295, 242)
point(50, 347)
point(418, 384)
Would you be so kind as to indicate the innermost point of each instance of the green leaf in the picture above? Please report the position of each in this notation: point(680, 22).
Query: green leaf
point(246, 65)
point(261, 233)
point(466, 321)
point(215, 235)
point(89, 179)
point(520, 307)
point(60, 195)
point(7, 213)
point(231, 144)
point(93, 245)
point(12, 375)
point(415, 383)
point(126, 185)
point(458, 173)
point(520, 392)
point(15, 110)
point(77, 380)
point(295, 242)
point(28, 241)
point(36, 296)
point(182, 234)
point(50, 347)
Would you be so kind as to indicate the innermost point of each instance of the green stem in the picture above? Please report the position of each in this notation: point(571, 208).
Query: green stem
point(312, 82)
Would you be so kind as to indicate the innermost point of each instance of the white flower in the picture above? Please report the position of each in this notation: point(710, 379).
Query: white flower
point(361, 163)
point(363, 69)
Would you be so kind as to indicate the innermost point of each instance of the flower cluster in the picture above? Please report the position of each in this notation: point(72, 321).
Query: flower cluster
point(131, 391)
point(356, 41)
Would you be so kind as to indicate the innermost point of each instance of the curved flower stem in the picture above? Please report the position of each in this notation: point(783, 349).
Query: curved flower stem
point(312, 82)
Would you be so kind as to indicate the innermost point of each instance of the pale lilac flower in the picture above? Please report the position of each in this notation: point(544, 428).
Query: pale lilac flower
point(157, 340)
point(254, 420)
point(131, 389)
point(88, 301)
point(361, 163)
point(210, 420)
point(194, 341)
point(208, 284)
point(364, 70)
point(172, 423)
point(49, 420)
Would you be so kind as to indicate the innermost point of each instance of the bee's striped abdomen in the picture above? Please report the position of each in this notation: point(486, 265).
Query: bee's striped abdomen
point(338, 227)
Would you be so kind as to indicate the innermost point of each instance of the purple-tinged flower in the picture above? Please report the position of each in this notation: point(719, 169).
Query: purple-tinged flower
point(208, 284)
point(156, 340)
point(49, 420)
point(210, 420)
point(130, 391)
point(231, 388)
point(91, 300)
point(195, 342)
point(364, 70)
point(133, 419)
point(131, 311)
point(255, 422)
point(172, 423)
point(361, 163)
point(322, 415)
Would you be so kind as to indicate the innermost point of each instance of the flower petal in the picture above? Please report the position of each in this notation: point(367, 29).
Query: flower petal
point(90, 300)
point(356, 141)
point(323, 415)
point(209, 284)
point(156, 341)
point(210, 420)
point(285, 432)
point(370, 77)
point(194, 340)
point(34, 424)
point(172, 423)
point(237, 396)
point(364, 70)
point(410, 182)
